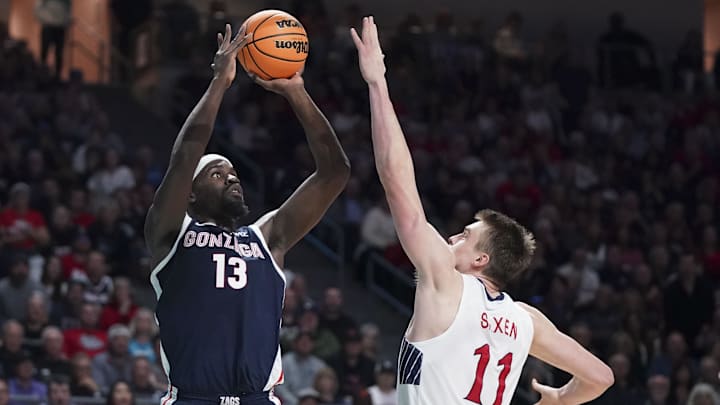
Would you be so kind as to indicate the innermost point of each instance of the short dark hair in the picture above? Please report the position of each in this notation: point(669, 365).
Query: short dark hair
point(59, 379)
point(510, 247)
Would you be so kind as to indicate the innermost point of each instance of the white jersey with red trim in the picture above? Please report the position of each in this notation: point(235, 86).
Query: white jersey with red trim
point(478, 359)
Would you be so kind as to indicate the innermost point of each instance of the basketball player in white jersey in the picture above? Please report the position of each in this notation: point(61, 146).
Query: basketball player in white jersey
point(467, 341)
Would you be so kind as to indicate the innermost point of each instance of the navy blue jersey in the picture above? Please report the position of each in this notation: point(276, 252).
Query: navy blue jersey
point(220, 298)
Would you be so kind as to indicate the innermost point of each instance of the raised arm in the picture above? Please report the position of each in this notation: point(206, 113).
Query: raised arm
point(284, 227)
point(423, 244)
point(591, 377)
point(170, 203)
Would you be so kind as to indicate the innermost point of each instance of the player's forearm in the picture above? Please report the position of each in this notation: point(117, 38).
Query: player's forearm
point(329, 156)
point(197, 129)
point(391, 150)
point(392, 155)
point(577, 391)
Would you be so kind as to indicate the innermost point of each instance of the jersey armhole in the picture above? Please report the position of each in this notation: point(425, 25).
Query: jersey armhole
point(256, 229)
point(160, 266)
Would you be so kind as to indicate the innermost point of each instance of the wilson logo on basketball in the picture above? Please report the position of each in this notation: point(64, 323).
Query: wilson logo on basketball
point(299, 46)
point(287, 23)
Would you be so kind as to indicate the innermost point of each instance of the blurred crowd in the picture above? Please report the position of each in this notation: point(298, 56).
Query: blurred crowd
point(610, 160)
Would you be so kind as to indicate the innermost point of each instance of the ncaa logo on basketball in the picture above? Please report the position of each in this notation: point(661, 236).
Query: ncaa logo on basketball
point(287, 23)
point(229, 400)
point(299, 46)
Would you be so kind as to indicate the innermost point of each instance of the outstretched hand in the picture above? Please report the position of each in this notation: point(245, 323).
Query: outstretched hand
point(370, 55)
point(225, 63)
point(281, 86)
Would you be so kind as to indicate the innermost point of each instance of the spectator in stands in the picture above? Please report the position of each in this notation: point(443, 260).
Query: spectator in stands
point(77, 259)
point(80, 208)
point(370, 335)
point(66, 313)
point(332, 315)
point(290, 319)
point(113, 176)
point(115, 363)
point(59, 390)
point(88, 338)
point(299, 285)
point(181, 17)
point(377, 233)
point(143, 329)
point(508, 43)
point(623, 55)
point(309, 396)
point(120, 394)
point(36, 321)
point(21, 227)
point(353, 368)
point(16, 289)
point(703, 394)
point(687, 68)
point(583, 279)
point(658, 390)
point(383, 392)
point(672, 358)
point(300, 368)
point(24, 384)
point(11, 351)
point(55, 17)
point(4, 393)
point(52, 279)
point(688, 300)
point(82, 383)
point(709, 372)
point(112, 236)
point(98, 285)
point(143, 382)
point(121, 308)
point(621, 392)
point(52, 359)
point(324, 341)
point(326, 384)
point(378, 230)
point(63, 232)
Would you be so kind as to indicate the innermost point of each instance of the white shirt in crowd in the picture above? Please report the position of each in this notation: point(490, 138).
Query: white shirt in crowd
point(107, 181)
point(379, 397)
point(378, 229)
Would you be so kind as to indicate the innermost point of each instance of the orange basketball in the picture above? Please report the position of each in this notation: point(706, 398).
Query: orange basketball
point(278, 45)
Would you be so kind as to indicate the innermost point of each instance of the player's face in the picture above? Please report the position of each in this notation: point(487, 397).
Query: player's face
point(219, 192)
point(465, 247)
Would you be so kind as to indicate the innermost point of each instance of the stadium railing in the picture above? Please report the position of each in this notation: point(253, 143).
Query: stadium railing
point(389, 283)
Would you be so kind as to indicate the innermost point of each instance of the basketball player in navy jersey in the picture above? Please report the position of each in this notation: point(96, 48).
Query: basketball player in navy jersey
point(219, 284)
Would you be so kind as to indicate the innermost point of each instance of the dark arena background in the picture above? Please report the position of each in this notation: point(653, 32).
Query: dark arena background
point(596, 124)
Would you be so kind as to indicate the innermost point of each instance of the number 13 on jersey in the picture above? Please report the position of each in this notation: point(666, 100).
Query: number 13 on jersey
point(238, 278)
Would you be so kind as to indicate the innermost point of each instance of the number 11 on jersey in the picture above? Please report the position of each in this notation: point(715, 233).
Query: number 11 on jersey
point(476, 390)
point(238, 278)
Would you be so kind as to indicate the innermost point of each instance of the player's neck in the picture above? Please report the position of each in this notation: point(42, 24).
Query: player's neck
point(228, 224)
point(490, 286)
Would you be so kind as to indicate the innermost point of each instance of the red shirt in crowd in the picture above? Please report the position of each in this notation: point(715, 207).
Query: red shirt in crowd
point(112, 314)
point(83, 219)
point(13, 221)
point(88, 341)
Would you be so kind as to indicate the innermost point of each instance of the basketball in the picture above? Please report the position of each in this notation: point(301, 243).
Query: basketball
point(278, 45)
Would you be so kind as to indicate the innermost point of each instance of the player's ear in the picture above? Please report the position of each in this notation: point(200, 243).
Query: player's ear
point(481, 261)
point(192, 198)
